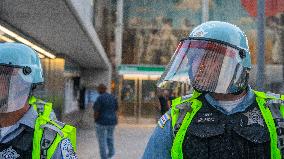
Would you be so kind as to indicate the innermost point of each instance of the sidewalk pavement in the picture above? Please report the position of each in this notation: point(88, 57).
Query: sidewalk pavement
point(131, 135)
point(130, 141)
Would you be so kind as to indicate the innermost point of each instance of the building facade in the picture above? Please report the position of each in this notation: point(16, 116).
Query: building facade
point(72, 55)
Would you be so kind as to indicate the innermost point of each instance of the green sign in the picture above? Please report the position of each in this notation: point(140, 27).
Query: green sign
point(139, 69)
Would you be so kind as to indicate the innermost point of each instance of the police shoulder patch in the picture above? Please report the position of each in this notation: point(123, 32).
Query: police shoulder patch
point(9, 153)
point(67, 150)
point(163, 120)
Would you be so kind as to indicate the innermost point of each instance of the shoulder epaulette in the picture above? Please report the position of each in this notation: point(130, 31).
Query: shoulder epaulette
point(274, 103)
point(186, 97)
point(273, 99)
point(50, 126)
point(184, 103)
point(273, 95)
point(269, 95)
point(40, 106)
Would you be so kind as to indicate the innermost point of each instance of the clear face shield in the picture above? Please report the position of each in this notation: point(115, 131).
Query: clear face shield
point(15, 87)
point(208, 66)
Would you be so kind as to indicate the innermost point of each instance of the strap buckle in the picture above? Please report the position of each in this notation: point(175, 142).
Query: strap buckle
point(279, 124)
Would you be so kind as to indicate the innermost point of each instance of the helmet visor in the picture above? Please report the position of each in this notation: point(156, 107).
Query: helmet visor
point(211, 66)
point(14, 88)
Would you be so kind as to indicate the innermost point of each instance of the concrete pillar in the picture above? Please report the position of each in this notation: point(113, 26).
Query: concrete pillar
point(205, 11)
point(260, 77)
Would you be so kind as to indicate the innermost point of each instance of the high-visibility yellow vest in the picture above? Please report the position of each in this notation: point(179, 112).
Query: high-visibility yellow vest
point(64, 131)
point(261, 98)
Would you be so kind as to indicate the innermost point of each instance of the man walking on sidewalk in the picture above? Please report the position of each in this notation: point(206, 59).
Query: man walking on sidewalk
point(105, 109)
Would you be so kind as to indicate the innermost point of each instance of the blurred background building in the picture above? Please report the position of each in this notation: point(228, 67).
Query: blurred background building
point(127, 43)
point(72, 55)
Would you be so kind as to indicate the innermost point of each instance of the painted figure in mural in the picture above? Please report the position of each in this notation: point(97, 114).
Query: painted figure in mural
point(186, 24)
point(28, 126)
point(160, 44)
point(105, 110)
point(140, 45)
point(224, 117)
point(168, 42)
point(273, 30)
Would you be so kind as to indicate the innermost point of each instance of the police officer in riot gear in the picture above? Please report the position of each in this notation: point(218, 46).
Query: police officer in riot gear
point(224, 117)
point(28, 126)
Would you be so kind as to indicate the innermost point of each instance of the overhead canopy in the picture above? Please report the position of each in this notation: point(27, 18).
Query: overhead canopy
point(55, 26)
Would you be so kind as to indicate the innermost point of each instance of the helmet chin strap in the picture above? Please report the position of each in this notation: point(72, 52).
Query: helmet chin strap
point(11, 118)
point(234, 94)
point(238, 92)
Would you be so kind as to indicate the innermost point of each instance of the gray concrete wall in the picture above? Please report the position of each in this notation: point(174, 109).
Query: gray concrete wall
point(83, 10)
point(71, 97)
point(58, 86)
point(52, 89)
point(92, 78)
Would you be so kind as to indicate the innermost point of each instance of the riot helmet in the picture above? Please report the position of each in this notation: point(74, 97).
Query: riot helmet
point(20, 68)
point(214, 58)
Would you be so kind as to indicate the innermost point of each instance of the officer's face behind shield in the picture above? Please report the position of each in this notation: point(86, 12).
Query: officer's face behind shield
point(15, 87)
point(210, 65)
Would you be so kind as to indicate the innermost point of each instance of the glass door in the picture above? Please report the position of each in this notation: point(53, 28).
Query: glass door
point(128, 98)
point(149, 103)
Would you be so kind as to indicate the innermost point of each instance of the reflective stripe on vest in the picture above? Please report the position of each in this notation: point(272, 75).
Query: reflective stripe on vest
point(178, 101)
point(43, 119)
point(176, 151)
point(261, 98)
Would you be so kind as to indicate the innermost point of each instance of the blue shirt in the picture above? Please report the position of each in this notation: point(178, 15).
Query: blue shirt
point(160, 143)
point(106, 106)
point(247, 101)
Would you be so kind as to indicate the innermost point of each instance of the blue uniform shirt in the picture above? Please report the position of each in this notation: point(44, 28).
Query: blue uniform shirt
point(160, 143)
point(247, 101)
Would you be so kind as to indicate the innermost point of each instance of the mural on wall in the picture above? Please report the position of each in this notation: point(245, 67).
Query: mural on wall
point(154, 28)
point(157, 46)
